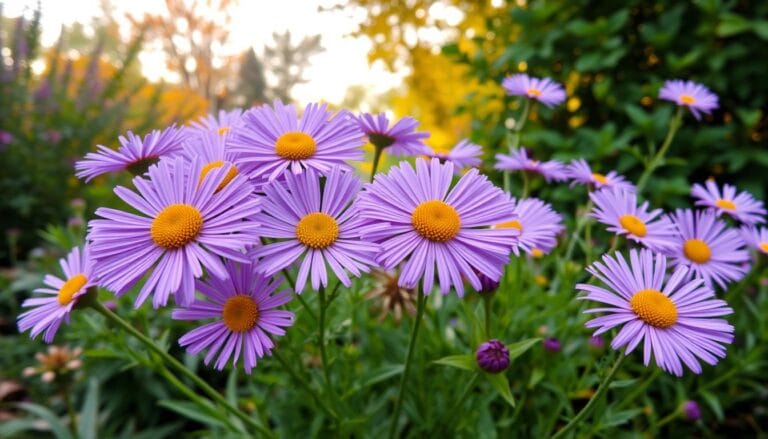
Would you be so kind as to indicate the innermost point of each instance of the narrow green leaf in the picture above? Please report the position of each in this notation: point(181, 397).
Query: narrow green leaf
point(714, 403)
point(500, 383)
point(466, 362)
point(58, 428)
point(88, 427)
point(191, 411)
point(519, 348)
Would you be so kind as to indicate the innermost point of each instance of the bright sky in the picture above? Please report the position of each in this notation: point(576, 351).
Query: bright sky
point(342, 64)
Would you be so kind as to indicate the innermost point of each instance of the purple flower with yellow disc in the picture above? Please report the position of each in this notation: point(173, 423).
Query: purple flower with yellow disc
point(135, 154)
point(317, 225)
point(244, 305)
point(399, 139)
point(60, 295)
point(580, 172)
point(431, 228)
point(619, 210)
point(544, 90)
point(756, 238)
point(274, 139)
point(538, 226)
point(519, 160)
point(464, 155)
point(740, 206)
point(220, 124)
point(674, 320)
point(713, 251)
point(692, 95)
point(186, 224)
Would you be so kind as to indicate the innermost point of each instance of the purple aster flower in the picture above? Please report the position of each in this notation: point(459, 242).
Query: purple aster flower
point(518, 160)
point(464, 155)
point(244, 305)
point(318, 226)
point(712, 250)
point(675, 321)
point(135, 154)
point(552, 344)
point(619, 210)
point(742, 206)
point(756, 238)
point(220, 124)
point(492, 356)
point(53, 308)
point(186, 224)
point(274, 139)
point(545, 90)
point(213, 151)
point(691, 410)
point(580, 172)
point(698, 98)
point(537, 224)
point(399, 139)
point(420, 221)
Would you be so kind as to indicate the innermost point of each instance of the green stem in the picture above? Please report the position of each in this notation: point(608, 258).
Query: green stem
point(580, 224)
point(70, 409)
point(298, 297)
point(593, 400)
point(323, 354)
point(304, 384)
point(450, 414)
point(176, 364)
point(657, 159)
point(487, 304)
point(409, 356)
point(376, 157)
point(667, 419)
point(526, 185)
point(513, 140)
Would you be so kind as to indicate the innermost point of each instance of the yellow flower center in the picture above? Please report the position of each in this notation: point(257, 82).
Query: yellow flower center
point(633, 225)
point(764, 246)
point(240, 313)
point(697, 251)
point(654, 308)
point(600, 178)
point(537, 253)
point(70, 287)
point(687, 99)
point(514, 224)
point(317, 230)
point(436, 220)
point(534, 92)
point(223, 130)
point(295, 145)
point(541, 280)
point(176, 225)
point(232, 173)
point(725, 204)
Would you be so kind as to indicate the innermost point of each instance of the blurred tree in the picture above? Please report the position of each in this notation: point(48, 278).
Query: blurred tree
point(286, 62)
point(252, 85)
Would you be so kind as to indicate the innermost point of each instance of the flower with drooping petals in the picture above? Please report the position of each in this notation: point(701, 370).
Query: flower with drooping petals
point(580, 172)
point(431, 228)
point(60, 295)
point(314, 225)
point(220, 124)
point(538, 226)
point(186, 223)
point(399, 139)
point(135, 154)
point(245, 306)
point(742, 207)
point(518, 160)
point(696, 97)
point(464, 155)
point(619, 210)
point(274, 139)
point(390, 297)
point(544, 90)
point(756, 238)
point(675, 319)
point(713, 251)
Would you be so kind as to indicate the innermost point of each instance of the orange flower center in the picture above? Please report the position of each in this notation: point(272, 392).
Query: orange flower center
point(633, 225)
point(436, 220)
point(70, 288)
point(533, 92)
point(725, 204)
point(232, 173)
point(514, 224)
point(223, 130)
point(654, 308)
point(240, 313)
point(176, 226)
point(764, 246)
point(687, 99)
point(697, 251)
point(600, 178)
point(295, 145)
point(537, 253)
point(317, 230)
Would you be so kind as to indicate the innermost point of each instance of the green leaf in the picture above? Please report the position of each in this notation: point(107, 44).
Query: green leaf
point(88, 427)
point(191, 411)
point(500, 383)
point(714, 403)
point(466, 361)
point(519, 348)
point(536, 376)
point(732, 24)
point(760, 27)
point(58, 428)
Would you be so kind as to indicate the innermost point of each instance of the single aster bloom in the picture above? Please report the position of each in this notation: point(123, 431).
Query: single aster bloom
point(316, 225)
point(244, 305)
point(696, 97)
point(464, 155)
point(544, 90)
point(134, 155)
point(618, 209)
point(185, 224)
point(518, 160)
point(674, 319)
point(213, 152)
point(538, 226)
point(742, 207)
point(713, 251)
point(580, 172)
point(422, 222)
point(399, 139)
point(60, 295)
point(220, 124)
point(274, 139)
point(755, 238)
point(390, 298)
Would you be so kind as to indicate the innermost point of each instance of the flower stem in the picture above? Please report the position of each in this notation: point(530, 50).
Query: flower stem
point(298, 297)
point(513, 142)
point(176, 364)
point(593, 400)
point(487, 304)
point(376, 157)
point(409, 356)
point(655, 162)
point(323, 354)
point(449, 415)
point(305, 385)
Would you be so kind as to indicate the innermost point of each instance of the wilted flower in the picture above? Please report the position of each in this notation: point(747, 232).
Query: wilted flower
point(389, 297)
point(58, 362)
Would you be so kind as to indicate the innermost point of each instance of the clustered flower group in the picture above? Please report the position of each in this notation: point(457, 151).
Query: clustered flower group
point(222, 207)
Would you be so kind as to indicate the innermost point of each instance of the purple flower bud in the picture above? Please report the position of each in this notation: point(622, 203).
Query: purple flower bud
point(691, 410)
point(552, 344)
point(596, 342)
point(5, 137)
point(493, 356)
